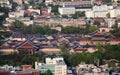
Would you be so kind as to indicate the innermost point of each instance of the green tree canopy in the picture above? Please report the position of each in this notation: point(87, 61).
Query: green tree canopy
point(78, 14)
point(74, 30)
point(108, 15)
point(48, 72)
point(41, 5)
point(107, 1)
point(93, 28)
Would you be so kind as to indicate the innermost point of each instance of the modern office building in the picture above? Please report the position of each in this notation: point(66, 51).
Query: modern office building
point(55, 65)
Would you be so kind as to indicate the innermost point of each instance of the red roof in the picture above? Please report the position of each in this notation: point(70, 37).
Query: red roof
point(26, 44)
point(114, 40)
point(84, 40)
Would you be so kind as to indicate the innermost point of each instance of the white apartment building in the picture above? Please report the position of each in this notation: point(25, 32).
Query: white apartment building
point(48, 1)
point(18, 1)
point(115, 0)
point(89, 14)
point(110, 22)
point(16, 14)
point(66, 10)
point(4, 2)
point(10, 20)
point(102, 8)
point(102, 11)
point(34, 10)
point(115, 12)
point(82, 9)
point(55, 65)
point(6, 67)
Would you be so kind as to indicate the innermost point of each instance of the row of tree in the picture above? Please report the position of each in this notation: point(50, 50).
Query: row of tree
point(78, 30)
point(4, 10)
point(12, 59)
point(106, 52)
point(33, 29)
point(4, 34)
point(54, 8)
point(116, 31)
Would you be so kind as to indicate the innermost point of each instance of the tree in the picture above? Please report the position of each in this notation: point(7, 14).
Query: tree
point(64, 16)
point(41, 5)
point(93, 28)
point(14, 5)
point(98, 46)
point(17, 25)
point(108, 15)
point(107, 1)
point(116, 31)
point(78, 14)
point(74, 30)
point(115, 27)
point(4, 35)
point(55, 9)
point(48, 72)
point(112, 51)
point(5, 11)
point(118, 1)
point(97, 23)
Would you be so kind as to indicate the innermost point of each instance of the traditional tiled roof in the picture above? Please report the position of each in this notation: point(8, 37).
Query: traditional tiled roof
point(99, 19)
point(83, 40)
point(17, 35)
point(78, 48)
point(114, 40)
point(26, 44)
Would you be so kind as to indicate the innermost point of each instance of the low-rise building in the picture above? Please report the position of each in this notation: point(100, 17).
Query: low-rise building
point(115, 12)
point(16, 14)
point(18, 1)
point(90, 69)
point(34, 10)
point(66, 10)
point(102, 11)
point(110, 22)
point(26, 20)
point(73, 3)
point(50, 50)
point(4, 2)
point(81, 8)
point(10, 70)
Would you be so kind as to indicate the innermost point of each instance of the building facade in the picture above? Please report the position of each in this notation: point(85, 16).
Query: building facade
point(55, 65)
point(66, 10)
